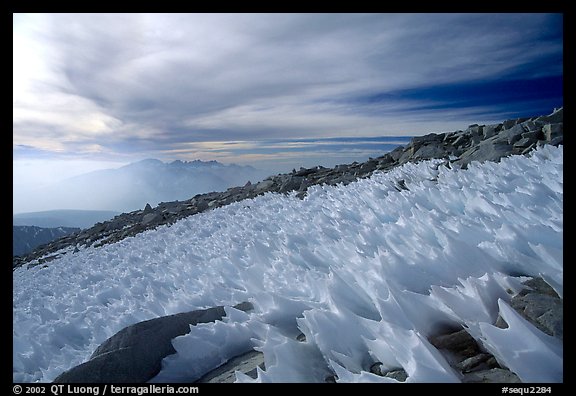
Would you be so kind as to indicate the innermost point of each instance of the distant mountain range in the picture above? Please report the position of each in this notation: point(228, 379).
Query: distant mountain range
point(62, 218)
point(132, 186)
point(26, 238)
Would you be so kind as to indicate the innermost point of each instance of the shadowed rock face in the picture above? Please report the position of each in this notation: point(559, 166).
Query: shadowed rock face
point(539, 304)
point(135, 353)
point(459, 148)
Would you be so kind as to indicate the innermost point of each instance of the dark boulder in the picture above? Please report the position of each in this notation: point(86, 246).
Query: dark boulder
point(135, 353)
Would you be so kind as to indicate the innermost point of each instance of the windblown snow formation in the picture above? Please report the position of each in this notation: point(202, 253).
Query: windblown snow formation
point(369, 272)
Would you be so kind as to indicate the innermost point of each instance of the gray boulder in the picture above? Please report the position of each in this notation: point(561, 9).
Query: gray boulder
point(556, 117)
point(150, 217)
point(430, 151)
point(489, 150)
point(398, 374)
point(135, 353)
point(264, 185)
point(541, 306)
point(291, 183)
point(511, 135)
point(490, 130)
point(552, 131)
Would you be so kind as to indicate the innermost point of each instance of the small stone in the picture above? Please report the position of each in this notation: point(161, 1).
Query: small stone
point(399, 375)
point(376, 368)
point(468, 364)
point(331, 379)
point(501, 323)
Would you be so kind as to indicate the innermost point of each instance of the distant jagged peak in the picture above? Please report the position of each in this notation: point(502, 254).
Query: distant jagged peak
point(195, 163)
point(153, 163)
point(156, 163)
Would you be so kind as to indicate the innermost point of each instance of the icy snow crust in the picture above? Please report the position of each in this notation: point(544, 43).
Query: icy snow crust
point(365, 271)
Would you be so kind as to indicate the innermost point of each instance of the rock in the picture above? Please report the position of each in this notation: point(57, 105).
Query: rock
point(460, 342)
point(508, 124)
point(490, 130)
point(430, 138)
point(494, 375)
point(399, 375)
point(538, 285)
point(534, 134)
point(511, 135)
point(432, 141)
point(552, 131)
point(376, 368)
point(368, 167)
point(485, 151)
point(135, 353)
point(400, 185)
point(541, 306)
point(554, 118)
point(430, 151)
point(150, 217)
point(470, 363)
point(331, 379)
point(245, 363)
point(461, 141)
point(264, 185)
point(528, 149)
point(533, 127)
point(305, 172)
point(396, 153)
point(291, 183)
point(557, 141)
point(147, 208)
point(523, 143)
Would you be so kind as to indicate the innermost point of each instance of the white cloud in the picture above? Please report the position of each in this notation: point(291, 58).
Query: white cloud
point(155, 81)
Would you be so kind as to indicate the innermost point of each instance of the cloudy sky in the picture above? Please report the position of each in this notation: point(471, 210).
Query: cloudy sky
point(271, 90)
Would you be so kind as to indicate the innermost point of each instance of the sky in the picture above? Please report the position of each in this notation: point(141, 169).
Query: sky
point(275, 91)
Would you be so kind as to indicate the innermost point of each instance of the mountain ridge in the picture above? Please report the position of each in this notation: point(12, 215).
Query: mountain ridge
point(133, 185)
point(62, 218)
point(27, 238)
point(457, 148)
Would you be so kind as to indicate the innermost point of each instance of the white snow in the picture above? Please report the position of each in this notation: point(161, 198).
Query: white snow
point(365, 271)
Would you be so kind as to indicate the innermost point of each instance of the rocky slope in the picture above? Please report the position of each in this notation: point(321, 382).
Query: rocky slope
point(458, 148)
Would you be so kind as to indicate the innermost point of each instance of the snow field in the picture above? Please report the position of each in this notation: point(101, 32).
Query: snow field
point(366, 271)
